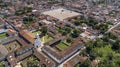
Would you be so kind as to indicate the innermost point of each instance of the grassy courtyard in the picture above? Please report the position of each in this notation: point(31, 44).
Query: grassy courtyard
point(45, 38)
point(65, 41)
point(62, 46)
point(12, 46)
point(32, 61)
point(35, 32)
point(3, 35)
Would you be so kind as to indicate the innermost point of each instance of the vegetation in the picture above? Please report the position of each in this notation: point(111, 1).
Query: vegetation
point(12, 46)
point(2, 64)
point(65, 30)
point(32, 62)
point(105, 49)
point(2, 5)
point(103, 26)
point(53, 2)
point(3, 35)
point(86, 63)
point(28, 20)
point(44, 30)
point(23, 11)
point(47, 38)
point(43, 65)
point(62, 46)
point(75, 33)
point(69, 40)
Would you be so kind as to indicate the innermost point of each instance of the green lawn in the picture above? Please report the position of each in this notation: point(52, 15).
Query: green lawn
point(67, 42)
point(34, 33)
point(46, 38)
point(62, 46)
point(3, 35)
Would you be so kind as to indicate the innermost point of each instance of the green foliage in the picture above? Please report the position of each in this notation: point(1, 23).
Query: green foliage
point(75, 33)
point(116, 46)
point(62, 46)
point(28, 20)
point(32, 62)
point(2, 64)
point(43, 65)
point(105, 50)
point(86, 63)
point(69, 40)
point(2, 5)
point(103, 26)
point(23, 11)
point(44, 30)
point(79, 22)
point(52, 2)
point(3, 35)
point(65, 30)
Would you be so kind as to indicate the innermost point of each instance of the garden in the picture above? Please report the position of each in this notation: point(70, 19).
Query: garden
point(45, 38)
point(3, 35)
point(12, 46)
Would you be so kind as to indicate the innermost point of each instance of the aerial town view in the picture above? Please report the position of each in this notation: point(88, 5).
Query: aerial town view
point(59, 33)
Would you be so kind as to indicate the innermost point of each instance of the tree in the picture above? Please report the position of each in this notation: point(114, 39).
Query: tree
point(86, 63)
point(64, 33)
point(68, 29)
point(99, 43)
point(116, 45)
point(93, 54)
point(69, 40)
point(77, 23)
point(44, 30)
point(32, 62)
point(76, 33)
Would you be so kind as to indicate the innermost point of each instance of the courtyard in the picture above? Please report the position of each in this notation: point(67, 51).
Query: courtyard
point(61, 13)
point(45, 38)
point(30, 61)
point(12, 46)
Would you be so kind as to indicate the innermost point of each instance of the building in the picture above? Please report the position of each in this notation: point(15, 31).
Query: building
point(37, 41)
point(60, 56)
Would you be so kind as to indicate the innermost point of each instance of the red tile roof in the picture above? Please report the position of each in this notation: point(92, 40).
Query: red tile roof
point(28, 36)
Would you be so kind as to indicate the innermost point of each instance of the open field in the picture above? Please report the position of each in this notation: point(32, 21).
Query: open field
point(61, 13)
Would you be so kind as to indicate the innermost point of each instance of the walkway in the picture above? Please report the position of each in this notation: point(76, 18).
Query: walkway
point(118, 24)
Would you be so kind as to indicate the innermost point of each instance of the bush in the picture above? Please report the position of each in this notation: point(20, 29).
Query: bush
point(69, 40)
